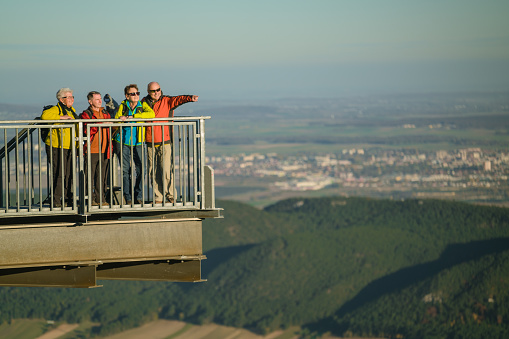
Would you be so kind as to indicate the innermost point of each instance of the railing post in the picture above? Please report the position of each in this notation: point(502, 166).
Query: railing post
point(81, 170)
point(202, 163)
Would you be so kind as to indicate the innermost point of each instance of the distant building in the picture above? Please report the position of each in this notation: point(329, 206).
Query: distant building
point(441, 154)
point(487, 165)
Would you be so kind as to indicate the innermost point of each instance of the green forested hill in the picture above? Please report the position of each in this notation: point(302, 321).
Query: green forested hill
point(242, 224)
point(456, 296)
point(349, 266)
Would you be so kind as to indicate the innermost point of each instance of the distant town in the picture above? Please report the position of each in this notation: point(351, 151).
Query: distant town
point(441, 174)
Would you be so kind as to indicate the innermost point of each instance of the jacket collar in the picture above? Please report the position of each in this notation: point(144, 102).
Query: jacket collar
point(64, 110)
point(148, 99)
point(92, 112)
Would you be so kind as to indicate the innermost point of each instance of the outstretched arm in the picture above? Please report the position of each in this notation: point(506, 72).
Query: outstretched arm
point(178, 100)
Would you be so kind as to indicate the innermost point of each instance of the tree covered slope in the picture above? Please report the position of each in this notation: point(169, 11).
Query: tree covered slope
point(349, 266)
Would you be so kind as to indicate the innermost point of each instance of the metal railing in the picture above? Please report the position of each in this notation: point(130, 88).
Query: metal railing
point(29, 179)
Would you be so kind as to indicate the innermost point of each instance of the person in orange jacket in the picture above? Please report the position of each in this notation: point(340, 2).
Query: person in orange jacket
point(159, 140)
point(99, 147)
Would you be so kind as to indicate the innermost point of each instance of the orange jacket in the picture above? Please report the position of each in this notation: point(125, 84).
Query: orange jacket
point(164, 109)
point(94, 139)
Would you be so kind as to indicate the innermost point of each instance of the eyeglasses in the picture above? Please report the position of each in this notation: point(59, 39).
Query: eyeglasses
point(133, 94)
point(69, 97)
point(154, 90)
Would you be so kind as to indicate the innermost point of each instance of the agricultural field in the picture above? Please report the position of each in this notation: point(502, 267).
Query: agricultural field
point(294, 126)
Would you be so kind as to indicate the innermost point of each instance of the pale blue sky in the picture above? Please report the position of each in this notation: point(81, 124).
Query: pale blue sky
point(252, 49)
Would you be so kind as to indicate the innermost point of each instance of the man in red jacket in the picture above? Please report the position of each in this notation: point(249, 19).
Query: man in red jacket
point(99, 147)
point(159, 140)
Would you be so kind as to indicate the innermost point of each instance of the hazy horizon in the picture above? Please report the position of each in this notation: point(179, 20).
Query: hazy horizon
point(227, 50)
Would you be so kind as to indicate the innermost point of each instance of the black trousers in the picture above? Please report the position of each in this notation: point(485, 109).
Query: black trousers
point(61, 168)
point(99, 166)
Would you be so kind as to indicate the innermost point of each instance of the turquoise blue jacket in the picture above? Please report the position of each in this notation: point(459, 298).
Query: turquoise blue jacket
point(133, 136)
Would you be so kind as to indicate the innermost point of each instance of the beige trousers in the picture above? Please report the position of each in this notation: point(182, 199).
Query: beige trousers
point(160, 168)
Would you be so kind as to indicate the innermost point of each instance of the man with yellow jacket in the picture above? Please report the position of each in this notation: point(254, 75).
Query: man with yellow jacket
point(58, 148)
point(130, 139)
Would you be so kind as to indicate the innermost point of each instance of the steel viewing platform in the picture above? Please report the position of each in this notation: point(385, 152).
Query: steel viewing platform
point(76, 244)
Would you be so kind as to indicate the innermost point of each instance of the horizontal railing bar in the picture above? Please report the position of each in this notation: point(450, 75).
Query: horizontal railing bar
point(73, 121)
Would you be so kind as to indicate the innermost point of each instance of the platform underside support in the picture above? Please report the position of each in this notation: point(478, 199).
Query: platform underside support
point(79, 256)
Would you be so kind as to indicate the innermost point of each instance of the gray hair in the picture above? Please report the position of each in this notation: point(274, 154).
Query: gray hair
point(61, 92)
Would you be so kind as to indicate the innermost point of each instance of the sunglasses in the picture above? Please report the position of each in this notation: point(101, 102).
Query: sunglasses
point(69, 97)
point(133, 94)
point(154, 90)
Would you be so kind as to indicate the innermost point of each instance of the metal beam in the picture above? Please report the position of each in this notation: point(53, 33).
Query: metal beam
point(54, 276)
point(105, 242)
point(163, 270)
